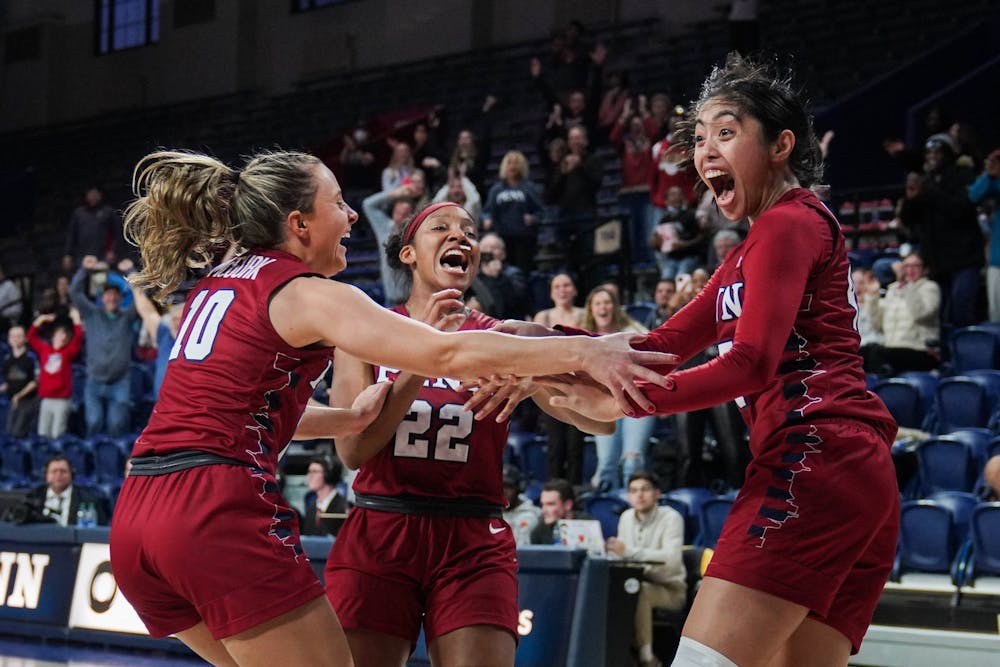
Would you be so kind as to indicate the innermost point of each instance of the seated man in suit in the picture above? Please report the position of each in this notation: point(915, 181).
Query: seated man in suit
point(322, 478)
point(60, 499)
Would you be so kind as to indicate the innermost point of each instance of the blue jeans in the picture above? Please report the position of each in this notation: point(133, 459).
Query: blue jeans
point(640, 225)
point(108, 406)
point(670, 268)
point(960, 291)
point(625, 447)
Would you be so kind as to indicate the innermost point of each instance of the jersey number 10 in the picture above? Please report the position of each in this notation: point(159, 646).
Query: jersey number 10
point(206, 312)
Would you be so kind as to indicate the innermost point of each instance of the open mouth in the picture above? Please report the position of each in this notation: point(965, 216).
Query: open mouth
point(722, 184)
point(455, 260)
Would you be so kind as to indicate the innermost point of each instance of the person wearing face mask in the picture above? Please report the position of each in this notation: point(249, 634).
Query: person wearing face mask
point(811, 537)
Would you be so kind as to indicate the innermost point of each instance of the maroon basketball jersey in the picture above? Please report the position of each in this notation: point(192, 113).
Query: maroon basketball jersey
point(782, 310)
point(438, 449)
point(233, 387)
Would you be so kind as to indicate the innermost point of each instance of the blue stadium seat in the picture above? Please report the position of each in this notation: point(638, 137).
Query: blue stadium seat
point(974, 348)
point(960, 504)
point(109, 459)
point(535, 456)
point(926, 540)
point(15, 461)
point(963, 401)
point(711, 519)
point(984, 534)
point(40, 449)
point(977, 439)
point(640, 311)
point(993, 448)
point(946, 464)
point(692, 497)
point(80, 454)
point(903, 399)
point(515, 445)
point(606, 509)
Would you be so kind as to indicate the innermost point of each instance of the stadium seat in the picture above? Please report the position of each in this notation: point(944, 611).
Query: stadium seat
point(109, 459)
point(80, 454)
point(641, 310)
point(606, 509)
point(946, 464)
point(903, 399)
point(984, 535)
point(692, 498)
point(711, 519)
point(960, 504)
point(974, 348)
point(926, 540)
point(40, 449)
point(978, 440)
point(15, 461)
point(535, 458)
point(963, 401)
point(993, 448)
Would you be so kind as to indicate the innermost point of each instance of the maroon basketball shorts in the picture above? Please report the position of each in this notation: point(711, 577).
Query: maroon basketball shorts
point(216, 543)
point(816, 523)
point(386, 570)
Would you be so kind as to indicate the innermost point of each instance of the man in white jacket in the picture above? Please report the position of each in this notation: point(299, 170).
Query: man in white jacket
point(653, 535)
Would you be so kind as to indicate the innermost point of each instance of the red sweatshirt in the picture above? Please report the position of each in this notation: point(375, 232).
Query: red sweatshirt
point(55, 380)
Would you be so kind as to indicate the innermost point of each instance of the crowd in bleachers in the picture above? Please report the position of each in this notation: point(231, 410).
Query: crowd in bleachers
point(599, 151)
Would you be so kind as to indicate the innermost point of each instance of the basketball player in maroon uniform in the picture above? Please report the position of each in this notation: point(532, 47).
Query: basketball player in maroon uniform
point(427, 532)
point(811, 537)
point(202, 543)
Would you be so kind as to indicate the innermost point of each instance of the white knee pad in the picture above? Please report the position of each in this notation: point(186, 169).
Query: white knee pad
point(691, 653)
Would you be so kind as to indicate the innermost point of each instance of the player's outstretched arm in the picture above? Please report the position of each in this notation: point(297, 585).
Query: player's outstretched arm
point(315, 310)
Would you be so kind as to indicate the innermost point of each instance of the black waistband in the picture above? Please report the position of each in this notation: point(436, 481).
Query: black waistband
point(409, 504)
point(151, 466)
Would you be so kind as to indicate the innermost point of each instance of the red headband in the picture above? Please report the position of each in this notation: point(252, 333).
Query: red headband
point(414, 225)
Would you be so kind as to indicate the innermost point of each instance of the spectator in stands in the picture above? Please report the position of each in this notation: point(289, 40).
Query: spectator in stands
point(868, 328)
point(11, 301)
point(616, 95)
point(908, 316)
point(61, 499)
point(462, 191)
point(428, 155)
point(711, 221)
point(575, 184)
point(55, 379)
point(19, 382)
point(521, 514)
point(161, 328)
point(688, 287)
point(94, 229)
point(56, 301)
point(937, 211)
point(322, 477)
point(985, 189)
point(400, 167)
point(502, 289)
point(663, 295)
point(656, 114)
point(677, 240)
point(565, 441)
point(723, 242)
point(991, 479)
point(110, 337)
point(386, 212)
point(357, 160)
point(624, 451)
point(472, 147)
point(512, 208)
point(669, 170)
point(628, 135)
point(558, 501)
point(652, 535)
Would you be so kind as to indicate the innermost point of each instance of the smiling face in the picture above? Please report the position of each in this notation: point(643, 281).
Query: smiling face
point(329, 223)
point(735, 161)
point(444, 252)
point(602, 309)
point(562, 290)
